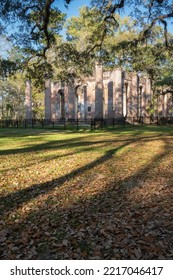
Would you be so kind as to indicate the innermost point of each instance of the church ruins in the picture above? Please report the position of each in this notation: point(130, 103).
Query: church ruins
point(106, 94)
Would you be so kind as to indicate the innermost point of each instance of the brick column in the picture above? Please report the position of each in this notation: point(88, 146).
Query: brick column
point(47, 100)
point(55, 101)
point(118, 89)
point(134, 95)
point(110, 96)
point(85, 101)
point(148, 92)
point(164, 104)
point(106, 109)
point(125, 94)
point(98, 91)
point(72, 100)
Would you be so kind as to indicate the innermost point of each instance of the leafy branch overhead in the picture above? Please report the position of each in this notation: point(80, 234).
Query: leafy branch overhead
point(98, 33)
point(37, 21)
point(42, 19)
point(147, 13)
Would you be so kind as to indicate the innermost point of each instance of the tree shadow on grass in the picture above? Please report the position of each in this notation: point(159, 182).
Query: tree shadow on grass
point(84, 146)
point(58, 144)
point(18, 198)
point(117, 222)
point(49, 145)
point(72, 142)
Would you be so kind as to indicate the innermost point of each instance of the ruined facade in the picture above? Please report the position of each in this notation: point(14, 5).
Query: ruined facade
point(28, 100)
point(107, 94)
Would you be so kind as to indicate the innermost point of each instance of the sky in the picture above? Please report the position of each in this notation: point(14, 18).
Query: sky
point(73, 7)
point(73, 10)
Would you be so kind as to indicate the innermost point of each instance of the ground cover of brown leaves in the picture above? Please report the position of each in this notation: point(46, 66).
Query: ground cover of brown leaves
point(86, 195)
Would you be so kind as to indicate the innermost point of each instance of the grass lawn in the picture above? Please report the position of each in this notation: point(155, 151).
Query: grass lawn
point(86, 195)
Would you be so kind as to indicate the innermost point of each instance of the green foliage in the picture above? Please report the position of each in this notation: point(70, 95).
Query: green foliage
point(97, 39)
point(7, 67)
point(37, 99)
point(85, 30)
point(166, 76)
point(167, 80)
point(12, 92)
point(98, 33)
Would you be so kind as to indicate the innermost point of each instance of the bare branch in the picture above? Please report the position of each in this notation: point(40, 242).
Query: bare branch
point(165, 32)
point(114, 7)
point(24, 11)
point(145, 34)
point(167, 91)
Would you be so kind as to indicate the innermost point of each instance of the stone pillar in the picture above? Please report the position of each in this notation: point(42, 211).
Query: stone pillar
point(163, 108)
point(129, 95)
point(28, 100)
point(54, 101)
point(164, 105)
point(110, 100)
point(58, 112)
point(65, 94)
point(98, 91)
point(70, 92)
point(85, 101)
point(172, 105)
point(169, 105)
point(144, 98)
point(105, 113)
point(118, 101)
point(62, 105)
point(148, 93)
point(140, 111)
point(47, 100)
point(134, 95)
point(82, 104)
point(125, 93)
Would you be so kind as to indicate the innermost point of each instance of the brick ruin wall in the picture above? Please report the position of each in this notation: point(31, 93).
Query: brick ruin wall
point(104, 95)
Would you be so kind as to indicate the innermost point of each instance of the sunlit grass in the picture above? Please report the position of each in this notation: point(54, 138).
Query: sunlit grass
point(45, 174)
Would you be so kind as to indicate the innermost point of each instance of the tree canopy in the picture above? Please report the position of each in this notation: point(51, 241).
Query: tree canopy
point(98, 33)
point(40, 20)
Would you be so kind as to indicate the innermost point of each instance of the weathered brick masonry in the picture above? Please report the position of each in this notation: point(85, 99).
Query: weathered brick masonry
point(106, 94)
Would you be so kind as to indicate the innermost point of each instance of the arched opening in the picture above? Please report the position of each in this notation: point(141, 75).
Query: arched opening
point(110, 100)
point(61, 104)
point(140, 102)
point(125, 100)
point(85, 101)
point(77, 105)
point(80, 102)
